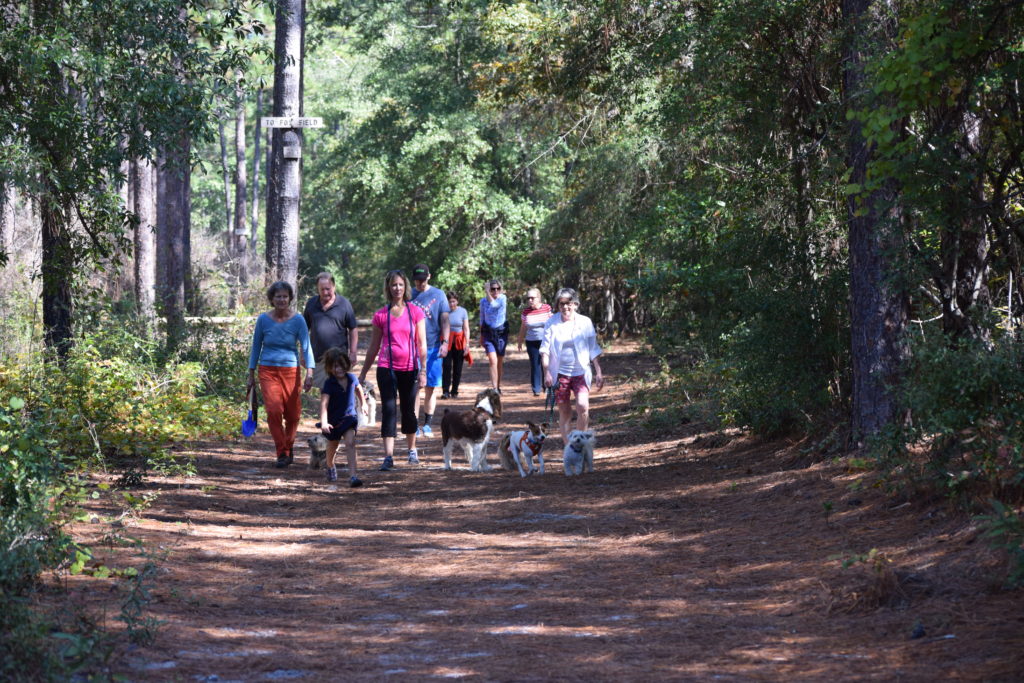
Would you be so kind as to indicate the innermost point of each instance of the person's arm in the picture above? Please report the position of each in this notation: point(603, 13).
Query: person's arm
point(465, 329)
point(254, 352)
point(360, 399)
point(371, 353)
point(353, 345)
point(421, 344)
point(325, 426)
point(446, 330)
point(598, 377)
point(306, 356)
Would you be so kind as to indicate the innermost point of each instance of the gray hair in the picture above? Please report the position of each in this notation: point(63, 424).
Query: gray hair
point(324, 276)
point(567, 293)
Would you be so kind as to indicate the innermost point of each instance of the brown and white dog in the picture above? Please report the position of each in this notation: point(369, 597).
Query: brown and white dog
point(520, 446)
point(471, 429)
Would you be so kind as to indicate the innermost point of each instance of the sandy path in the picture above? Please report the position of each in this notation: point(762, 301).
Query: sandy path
point(681, 558)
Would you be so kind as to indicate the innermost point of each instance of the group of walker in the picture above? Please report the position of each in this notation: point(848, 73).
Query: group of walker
point(420, 339)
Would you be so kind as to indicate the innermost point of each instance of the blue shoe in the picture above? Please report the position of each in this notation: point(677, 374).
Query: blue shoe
point(427, 431)
point(414, 459)
point(355, 482)
point(332, 474)
point(388, 464)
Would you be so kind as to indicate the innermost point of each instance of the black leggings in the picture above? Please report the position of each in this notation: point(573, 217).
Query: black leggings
point(404, 392)
point(451, 370)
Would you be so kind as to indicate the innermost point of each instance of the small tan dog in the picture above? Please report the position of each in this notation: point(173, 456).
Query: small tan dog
point(521, 446)
point(317, 451)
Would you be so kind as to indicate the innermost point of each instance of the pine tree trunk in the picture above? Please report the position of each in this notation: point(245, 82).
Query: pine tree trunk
point(878, 308)
point(225, 175)
point(284, 175)
point(173, 208)
point(6, 222)
point(57, 271)
point(144, 206)
point(256, 171)
point(240, 239)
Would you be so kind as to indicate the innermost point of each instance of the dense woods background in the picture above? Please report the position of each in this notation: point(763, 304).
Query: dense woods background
point(810, 210)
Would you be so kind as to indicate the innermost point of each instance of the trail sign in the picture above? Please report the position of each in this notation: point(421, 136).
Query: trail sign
point(292, 122)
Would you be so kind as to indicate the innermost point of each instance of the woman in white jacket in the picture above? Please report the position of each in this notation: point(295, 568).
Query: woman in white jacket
point(568, 350)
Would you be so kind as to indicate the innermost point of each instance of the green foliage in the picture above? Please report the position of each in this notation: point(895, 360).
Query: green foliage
point(1005, 528)
point(39, 494)
point(965, 437)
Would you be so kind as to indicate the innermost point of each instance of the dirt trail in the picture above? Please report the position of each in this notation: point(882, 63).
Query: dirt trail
point(684, 557)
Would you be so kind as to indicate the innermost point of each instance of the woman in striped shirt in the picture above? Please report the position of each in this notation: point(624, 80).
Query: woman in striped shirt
point(534, 315)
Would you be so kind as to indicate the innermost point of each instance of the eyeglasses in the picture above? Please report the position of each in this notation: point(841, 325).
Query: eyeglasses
point(566, 303)
point(531, 297)
point(495, 289)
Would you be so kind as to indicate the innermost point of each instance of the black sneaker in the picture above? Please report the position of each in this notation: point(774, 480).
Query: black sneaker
point(446, 395)
point(282, 460)
point(332, 474)
point(388, 464)
point(355, 482)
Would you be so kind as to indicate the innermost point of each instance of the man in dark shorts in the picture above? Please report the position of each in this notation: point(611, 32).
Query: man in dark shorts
point(331, 322)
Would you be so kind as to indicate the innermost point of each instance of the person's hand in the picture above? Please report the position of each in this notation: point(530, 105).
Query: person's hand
point(250, 383)
point(442, 350)
point(548, 381)
point(599, 382)
point(308, 384)
point(326, 428)
point(423, 378)
point(519, 346)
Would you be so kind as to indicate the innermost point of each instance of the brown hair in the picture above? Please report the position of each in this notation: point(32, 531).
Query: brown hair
point(335, 357)
point(390, 277)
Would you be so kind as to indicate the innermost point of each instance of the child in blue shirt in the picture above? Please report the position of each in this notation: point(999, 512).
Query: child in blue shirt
point(340, 400)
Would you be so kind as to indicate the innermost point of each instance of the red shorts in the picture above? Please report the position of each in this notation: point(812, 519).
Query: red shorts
point(568, 386)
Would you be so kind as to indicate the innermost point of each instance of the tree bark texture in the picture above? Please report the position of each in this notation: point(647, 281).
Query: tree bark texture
point(6, 221)
point(964, 243)
point(256, 170)
point(143, 177)
point(878, 305)
point(57, 271)
point(173, 211)
point(284, 175)
point(240, 237)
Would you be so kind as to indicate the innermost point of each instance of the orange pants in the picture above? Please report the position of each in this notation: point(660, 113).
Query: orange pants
point(282, 399)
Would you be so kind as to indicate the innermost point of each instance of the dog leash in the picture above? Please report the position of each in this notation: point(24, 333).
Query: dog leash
point(549, 404)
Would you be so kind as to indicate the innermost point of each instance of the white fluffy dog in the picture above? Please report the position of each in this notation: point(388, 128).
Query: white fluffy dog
point(579, 452)
point(367, 417)
point(520, 447)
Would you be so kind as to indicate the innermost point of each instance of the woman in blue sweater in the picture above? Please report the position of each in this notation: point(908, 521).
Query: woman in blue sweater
point(280, 344)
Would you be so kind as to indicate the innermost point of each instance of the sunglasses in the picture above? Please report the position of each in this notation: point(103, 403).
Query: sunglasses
point(495, 289)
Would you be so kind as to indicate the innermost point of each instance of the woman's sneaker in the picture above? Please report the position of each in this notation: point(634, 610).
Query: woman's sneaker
point(283, 460)
point(388, 464)
point(355, 481)
point(414, 459)
point(332, 474)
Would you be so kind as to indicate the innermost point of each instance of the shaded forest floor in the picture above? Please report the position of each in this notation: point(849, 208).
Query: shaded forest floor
point(687, 555)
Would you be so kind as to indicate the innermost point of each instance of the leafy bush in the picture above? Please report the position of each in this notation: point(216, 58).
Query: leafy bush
point(965, 436)
point(223, 353)
point(39, 494)
point(1005, 528)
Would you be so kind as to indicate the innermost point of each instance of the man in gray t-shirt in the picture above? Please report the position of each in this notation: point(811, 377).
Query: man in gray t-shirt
point(434, 304)
point(331, 322)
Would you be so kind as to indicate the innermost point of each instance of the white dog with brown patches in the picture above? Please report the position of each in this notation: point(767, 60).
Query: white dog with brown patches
point(471, 429)
point(521, 446)
point(579, 452)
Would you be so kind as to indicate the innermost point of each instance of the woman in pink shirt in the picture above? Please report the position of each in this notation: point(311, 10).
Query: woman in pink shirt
point(399, 345)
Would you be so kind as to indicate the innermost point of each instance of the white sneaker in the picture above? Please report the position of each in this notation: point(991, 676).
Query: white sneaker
point(413, 458)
